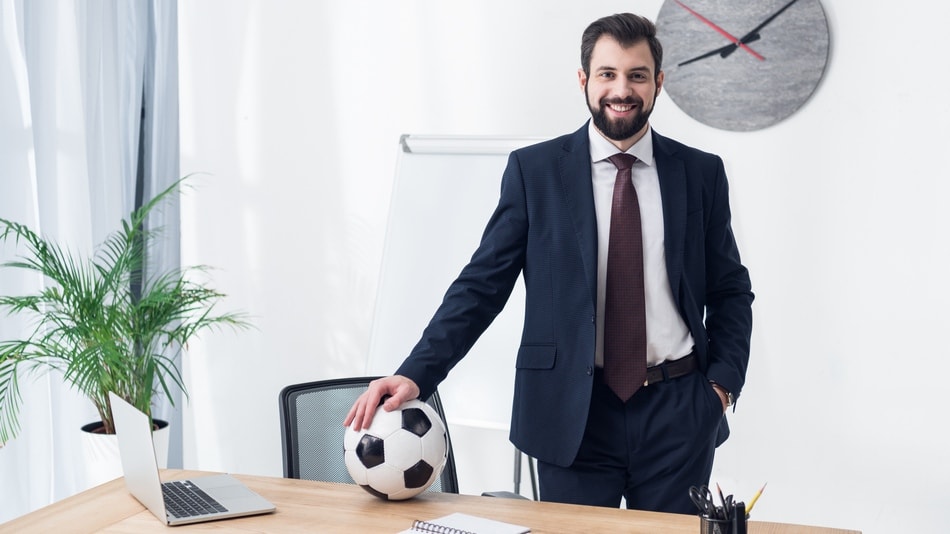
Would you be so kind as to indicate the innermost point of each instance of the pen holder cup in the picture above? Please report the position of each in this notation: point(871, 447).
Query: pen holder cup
point(709, 525)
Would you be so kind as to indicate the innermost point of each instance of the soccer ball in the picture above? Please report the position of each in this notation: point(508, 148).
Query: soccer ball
point(400, 454)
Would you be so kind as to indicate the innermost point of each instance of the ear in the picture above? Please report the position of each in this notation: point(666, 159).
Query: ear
point(659, 83)
point(581, 79)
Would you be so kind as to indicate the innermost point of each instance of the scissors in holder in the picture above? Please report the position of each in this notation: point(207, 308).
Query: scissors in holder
point(703, 499)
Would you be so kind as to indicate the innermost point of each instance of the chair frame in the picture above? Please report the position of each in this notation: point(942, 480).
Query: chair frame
point(288, 416)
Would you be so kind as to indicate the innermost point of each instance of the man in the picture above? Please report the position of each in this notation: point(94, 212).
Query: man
point(553, 224)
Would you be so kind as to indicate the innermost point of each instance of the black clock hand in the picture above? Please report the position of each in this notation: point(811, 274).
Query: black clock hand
point(722, 51)
point(738, 42)
point(751, 36)
point(755, 30)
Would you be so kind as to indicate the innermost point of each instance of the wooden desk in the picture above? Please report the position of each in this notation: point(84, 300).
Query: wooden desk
point(306, 506)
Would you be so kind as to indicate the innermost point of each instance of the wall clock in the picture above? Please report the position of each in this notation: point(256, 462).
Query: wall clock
point(742, 65)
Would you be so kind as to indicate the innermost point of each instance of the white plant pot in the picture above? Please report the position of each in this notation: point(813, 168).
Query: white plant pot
point(100, 453)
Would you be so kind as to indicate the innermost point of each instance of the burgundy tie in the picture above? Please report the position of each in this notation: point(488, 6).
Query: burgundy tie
point(625, 330)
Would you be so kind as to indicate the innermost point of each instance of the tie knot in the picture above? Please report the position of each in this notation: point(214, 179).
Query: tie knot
point(622, 161)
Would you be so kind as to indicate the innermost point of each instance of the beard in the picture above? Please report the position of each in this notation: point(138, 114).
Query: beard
point(621, 129)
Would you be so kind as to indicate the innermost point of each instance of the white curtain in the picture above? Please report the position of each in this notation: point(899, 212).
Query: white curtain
point(76, 79)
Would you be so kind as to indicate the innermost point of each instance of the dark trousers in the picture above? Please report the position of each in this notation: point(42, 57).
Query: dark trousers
point(649, 450)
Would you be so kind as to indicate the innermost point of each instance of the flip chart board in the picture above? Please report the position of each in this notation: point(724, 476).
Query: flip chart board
point(444, 192)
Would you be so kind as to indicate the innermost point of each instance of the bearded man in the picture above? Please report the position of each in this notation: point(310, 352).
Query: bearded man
point(638, 311)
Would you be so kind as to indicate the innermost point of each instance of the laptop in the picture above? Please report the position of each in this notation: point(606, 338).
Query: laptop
point(199, 499)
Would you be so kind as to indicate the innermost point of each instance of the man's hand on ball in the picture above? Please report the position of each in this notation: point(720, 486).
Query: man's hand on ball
point(399, 388)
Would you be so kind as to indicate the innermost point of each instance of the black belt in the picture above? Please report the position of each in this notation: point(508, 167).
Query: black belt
point(670, 370)
point(666, 370)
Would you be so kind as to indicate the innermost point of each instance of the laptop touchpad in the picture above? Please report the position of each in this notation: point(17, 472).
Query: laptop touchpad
point(232, 492)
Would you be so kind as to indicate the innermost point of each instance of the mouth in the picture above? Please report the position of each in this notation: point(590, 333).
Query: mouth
point(620, 108)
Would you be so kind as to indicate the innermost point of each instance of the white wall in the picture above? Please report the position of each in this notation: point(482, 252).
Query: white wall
point(295, 108)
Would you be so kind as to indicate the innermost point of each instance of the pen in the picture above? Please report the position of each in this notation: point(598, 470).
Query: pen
point(725, 509)
point(755, 498)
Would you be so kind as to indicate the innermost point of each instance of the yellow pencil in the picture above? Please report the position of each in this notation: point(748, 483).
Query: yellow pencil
point(755, 497)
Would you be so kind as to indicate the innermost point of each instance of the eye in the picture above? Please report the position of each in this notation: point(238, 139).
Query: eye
point(607, 74)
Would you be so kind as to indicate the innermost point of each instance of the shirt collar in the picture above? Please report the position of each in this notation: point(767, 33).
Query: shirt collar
point(601, 148)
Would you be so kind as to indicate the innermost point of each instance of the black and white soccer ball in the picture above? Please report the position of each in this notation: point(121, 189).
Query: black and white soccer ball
point(401, 454)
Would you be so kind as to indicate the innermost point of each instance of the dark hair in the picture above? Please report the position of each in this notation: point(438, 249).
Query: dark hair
point(627, 29)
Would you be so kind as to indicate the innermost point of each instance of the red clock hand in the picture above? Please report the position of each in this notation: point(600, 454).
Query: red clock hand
point(735, 40)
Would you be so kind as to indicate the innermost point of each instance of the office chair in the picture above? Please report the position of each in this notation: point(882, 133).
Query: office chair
point(311, 431)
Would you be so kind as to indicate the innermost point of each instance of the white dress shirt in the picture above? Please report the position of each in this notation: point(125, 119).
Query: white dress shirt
point(668, 338)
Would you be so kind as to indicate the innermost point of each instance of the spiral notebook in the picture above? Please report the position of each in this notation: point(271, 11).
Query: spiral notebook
point(459, 523)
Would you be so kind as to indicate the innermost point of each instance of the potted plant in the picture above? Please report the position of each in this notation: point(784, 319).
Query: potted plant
point(102, 320)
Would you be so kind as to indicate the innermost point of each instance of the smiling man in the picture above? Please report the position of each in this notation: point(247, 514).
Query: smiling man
point(625, 83)
point(638, 310)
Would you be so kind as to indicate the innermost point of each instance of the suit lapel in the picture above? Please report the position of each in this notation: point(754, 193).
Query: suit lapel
point(672, 174)
point(574, 168)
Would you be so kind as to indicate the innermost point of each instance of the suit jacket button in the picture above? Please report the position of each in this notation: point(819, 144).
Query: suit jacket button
point(590, 370)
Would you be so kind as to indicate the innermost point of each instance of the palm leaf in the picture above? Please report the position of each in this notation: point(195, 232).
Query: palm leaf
point(102, 320)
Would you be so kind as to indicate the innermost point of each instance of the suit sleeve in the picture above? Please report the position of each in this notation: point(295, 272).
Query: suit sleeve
point(479, 293)
point(728, 293)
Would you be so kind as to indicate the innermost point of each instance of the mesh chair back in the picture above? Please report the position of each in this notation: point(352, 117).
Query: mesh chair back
point(311, 431)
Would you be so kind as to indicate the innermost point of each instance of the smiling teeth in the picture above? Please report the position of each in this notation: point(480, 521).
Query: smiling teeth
point(621, 108)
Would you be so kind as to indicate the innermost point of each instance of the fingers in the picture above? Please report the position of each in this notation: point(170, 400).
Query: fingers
point(355, 415)
point(361, 414)
point(399, 389)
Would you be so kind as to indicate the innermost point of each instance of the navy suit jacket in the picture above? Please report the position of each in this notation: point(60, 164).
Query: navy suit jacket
point(545, 227)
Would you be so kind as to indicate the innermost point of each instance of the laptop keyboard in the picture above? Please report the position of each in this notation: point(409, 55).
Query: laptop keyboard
point(184, 499)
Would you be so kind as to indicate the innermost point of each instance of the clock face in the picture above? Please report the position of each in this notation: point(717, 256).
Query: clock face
point(742, 65)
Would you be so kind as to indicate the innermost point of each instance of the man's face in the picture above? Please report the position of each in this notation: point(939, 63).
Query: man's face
point(621, 89)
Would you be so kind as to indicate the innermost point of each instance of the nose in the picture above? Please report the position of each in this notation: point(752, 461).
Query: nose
point(621, 87)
